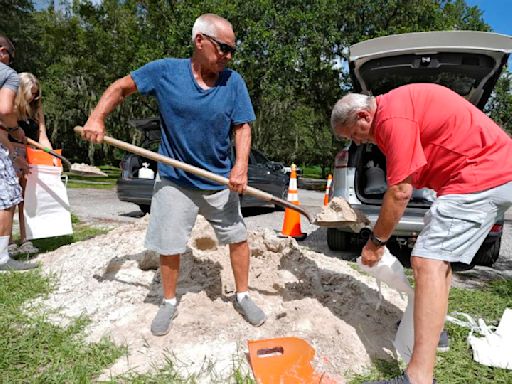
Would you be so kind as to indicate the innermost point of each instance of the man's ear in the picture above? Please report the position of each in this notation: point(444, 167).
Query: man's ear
point(363, 114)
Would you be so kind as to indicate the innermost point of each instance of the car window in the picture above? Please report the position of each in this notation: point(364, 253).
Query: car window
point(259, 158)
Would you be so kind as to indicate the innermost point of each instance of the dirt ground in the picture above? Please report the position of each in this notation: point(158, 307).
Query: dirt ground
point(306, 294)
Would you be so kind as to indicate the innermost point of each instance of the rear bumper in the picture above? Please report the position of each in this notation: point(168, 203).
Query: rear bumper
point(411, 223)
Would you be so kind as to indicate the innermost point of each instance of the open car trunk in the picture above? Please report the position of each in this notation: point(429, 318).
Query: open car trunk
point(468, 62)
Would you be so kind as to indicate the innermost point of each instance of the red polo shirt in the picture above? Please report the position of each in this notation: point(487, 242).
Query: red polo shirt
point(440, 139)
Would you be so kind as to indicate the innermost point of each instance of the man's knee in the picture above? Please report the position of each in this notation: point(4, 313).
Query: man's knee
point(423, 266)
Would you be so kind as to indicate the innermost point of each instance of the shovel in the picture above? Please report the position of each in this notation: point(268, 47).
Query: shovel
point(93, 172)
point(200, 172)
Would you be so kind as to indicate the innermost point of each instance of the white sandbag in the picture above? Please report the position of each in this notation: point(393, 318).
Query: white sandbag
point(404, 338)
point(389, 271)
point(493, 349)
point(47, 211)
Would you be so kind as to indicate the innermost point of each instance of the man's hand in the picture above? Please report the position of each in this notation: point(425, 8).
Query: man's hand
point(94, 130)
point(371, 254)
point(238, 179)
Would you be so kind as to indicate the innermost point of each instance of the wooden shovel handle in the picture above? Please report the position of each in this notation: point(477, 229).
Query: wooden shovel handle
point(198, 171)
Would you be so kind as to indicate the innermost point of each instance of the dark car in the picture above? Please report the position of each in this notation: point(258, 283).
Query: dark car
point(469, 63)
point(263, 174)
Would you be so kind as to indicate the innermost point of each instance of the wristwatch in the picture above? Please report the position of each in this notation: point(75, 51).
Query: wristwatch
point(375, 240)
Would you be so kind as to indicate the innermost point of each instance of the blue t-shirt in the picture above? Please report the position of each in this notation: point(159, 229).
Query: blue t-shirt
point(196, 123)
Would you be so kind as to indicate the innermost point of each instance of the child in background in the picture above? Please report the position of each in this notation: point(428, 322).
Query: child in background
point(29, 108)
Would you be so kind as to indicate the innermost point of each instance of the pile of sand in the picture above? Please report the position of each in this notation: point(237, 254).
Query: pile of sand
point(305, 294)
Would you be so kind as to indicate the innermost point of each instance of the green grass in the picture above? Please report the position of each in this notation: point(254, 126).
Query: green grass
point(457, 366)
point(109, 182)
point(81, 232)
point(33, 350)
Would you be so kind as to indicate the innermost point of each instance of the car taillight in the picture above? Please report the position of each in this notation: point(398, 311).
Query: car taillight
point(341, 159)
point(497, 228)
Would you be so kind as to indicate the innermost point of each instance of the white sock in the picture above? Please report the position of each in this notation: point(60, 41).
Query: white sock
point(4, 252)
point(240, 295)
point(172, 301)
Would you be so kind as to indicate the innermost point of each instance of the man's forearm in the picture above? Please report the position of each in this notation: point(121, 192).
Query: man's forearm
point(393, 207)
point(243, 144)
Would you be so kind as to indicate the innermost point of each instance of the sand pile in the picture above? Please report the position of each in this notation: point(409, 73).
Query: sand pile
point(305, 294)
point(339, 212)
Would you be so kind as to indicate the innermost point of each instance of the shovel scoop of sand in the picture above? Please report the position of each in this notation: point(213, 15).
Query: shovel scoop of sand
point(87, 170)
point(339, 213)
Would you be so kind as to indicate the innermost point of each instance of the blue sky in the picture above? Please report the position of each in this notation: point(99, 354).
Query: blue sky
point(496, 13)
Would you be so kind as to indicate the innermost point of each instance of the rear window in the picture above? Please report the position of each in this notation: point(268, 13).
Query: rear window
point(457, 71)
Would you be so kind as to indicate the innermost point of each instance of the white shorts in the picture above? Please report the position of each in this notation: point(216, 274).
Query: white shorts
point(456, 225)
point(174, 210)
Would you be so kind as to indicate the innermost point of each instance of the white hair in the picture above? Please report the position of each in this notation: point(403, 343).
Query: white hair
point(207, 24)
point(345, 110)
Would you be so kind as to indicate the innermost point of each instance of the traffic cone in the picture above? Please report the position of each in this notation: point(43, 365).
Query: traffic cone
point(291, 224)
point(327, 190)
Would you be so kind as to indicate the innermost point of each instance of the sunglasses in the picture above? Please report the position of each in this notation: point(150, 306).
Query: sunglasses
point(9, 52)
point(223, 47)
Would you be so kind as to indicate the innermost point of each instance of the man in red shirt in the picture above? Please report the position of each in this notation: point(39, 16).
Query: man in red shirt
point(432, 138)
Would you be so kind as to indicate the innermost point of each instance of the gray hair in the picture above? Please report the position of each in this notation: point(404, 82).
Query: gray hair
point(207, 24)
point(345, 110)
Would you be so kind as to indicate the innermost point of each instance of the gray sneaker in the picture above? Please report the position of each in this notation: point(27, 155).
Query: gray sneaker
point(162, 322)
point(15, 265)
point(250, 311)
point(444, 342)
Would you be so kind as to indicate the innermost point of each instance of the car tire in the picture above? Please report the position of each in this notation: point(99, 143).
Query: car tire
point(488, 253)
point(145, 208)
point(338, 240)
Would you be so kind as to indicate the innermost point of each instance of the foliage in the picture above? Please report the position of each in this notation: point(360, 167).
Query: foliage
point(499, 106)
point(291, 53)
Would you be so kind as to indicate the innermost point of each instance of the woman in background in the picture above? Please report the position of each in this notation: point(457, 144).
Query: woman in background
point(29, 108)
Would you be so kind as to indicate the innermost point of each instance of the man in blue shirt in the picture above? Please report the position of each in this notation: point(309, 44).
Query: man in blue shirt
point(201, 104)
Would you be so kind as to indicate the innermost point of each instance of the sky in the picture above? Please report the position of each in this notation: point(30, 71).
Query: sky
point(496, 13)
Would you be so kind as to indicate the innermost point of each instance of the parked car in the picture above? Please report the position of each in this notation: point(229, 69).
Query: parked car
point(131, 187)
point(469, 63)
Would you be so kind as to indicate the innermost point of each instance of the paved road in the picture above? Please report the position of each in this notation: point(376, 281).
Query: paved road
point(102, 206)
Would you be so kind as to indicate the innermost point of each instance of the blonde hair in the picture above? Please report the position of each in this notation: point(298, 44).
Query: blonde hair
point(24, 103)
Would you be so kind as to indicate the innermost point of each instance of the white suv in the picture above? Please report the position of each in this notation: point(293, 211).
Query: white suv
point(469, 63)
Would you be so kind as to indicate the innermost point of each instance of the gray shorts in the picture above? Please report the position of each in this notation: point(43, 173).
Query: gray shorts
point(456, 225)
point(174, 210)
point(10, 190)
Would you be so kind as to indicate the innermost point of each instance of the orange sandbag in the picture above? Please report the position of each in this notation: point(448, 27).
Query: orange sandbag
point(39, 157)
point(285, 360)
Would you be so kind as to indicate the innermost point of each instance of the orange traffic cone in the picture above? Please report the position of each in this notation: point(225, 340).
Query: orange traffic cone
point(291, 224)
point(327, 190)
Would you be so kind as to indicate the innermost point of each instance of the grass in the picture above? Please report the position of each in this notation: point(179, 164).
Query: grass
point(34, 350)
point(81, 232)
point(457, 366)
point(109, 182)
